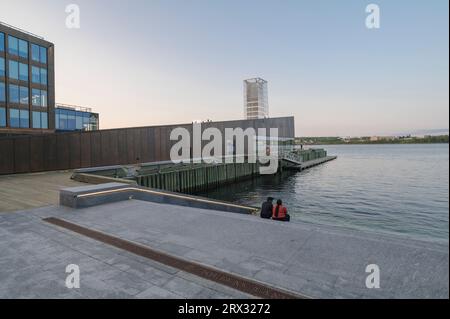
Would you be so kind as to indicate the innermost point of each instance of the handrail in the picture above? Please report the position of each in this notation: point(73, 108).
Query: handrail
point(73, 107)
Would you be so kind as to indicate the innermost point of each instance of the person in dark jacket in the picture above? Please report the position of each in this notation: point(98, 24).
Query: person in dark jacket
point(267, 208)
point(280, 212)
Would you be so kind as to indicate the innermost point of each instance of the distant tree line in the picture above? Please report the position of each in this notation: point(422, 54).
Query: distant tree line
point(371, 140)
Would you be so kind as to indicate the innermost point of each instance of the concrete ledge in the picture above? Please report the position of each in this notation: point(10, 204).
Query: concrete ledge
point(99, 179)
point(93, 195)
point(72, 197)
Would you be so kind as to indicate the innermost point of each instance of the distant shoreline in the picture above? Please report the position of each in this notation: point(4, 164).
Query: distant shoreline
point(414, 143)
point(438, 139)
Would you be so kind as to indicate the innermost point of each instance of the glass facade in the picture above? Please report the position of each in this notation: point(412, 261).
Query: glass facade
point(35, 74)
point(23, 49)
point(18, 71)
point(73, 120)
point(13, 45)
point(40, 120)
point(38, 75)
point(24, 80)
point(35, 97)
point(23, 72)
point(24, 119)
point(2, 67)
point(2, 42)
point(38, 53)
point(14, 118)
point(35, 51)
point(17, 47)
point(13, 71)
point(44, 120)
point(39, 97)
point(23, 95)
point(43, 76)
point(43, 55)
point(44, 98)
point(2, 117)
point(13, 93)
point(2, 92)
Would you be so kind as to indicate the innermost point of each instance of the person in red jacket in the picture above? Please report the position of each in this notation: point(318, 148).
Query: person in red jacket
point(280, 212)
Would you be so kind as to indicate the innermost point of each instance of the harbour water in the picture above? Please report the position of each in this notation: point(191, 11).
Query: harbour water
point(396, 189)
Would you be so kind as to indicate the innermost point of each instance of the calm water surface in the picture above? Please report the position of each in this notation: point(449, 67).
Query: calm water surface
point(396, 189)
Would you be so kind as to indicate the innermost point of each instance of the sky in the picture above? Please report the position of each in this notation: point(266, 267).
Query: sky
point(148, 62)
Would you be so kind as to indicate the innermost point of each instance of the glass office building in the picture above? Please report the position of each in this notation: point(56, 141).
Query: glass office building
point(26, 82)
point(75, 118)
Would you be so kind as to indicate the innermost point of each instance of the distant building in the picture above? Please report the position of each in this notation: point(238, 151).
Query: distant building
point(256, 105)
point(75, 118)
point(27, 83)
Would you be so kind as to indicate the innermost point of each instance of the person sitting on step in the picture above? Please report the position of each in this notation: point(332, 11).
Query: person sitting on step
point(267, 208)
point(280, 213)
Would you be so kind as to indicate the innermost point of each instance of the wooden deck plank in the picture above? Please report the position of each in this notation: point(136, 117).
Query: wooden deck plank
point(25, 191)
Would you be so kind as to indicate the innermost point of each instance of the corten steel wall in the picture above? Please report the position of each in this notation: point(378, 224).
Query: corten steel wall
point(37, 153)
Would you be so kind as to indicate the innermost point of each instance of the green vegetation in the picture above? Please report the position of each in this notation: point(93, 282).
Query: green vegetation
point(371, 140)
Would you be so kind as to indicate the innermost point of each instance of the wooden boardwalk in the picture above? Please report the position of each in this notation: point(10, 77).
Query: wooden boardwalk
point(25, 191)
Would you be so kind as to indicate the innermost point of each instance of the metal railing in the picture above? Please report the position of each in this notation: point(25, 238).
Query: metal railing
point(21, 30)
point(73, 107)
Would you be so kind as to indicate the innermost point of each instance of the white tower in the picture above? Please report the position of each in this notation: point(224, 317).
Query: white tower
point(256, 105)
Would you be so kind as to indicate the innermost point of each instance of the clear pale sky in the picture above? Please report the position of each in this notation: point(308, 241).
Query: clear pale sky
point(144, 62)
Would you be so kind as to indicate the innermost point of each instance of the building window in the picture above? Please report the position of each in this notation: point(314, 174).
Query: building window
point(44, 120)
point(71, 121)
point(86, 121)
point(35, 51)
point(2, 67)
point(57, 119)
point(39, 75)
point(13, 45)
point(35, 74)
point(2, 92)
point(39, 97)
point(23, 72)
point(24, 119)
point(36, 97)
point(40, 120)
point(2, 117)
point(63, 120)
point(13, 70)
point(43, 55)
point(36, 120)
point(18, 71)
point(44, 76)
point(23, 49)
point(79, 121)
point(38, 53)
point(17, 47)
point(44, 98)
point(2, 42)
point(13, 93)
point(14, 118)
point(23, 92)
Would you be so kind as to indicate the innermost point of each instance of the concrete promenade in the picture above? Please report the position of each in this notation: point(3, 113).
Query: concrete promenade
point(317, 261)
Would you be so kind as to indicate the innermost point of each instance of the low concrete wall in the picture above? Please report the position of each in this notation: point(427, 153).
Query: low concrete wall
point(93, 195)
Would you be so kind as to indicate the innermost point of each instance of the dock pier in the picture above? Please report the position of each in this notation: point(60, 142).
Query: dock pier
point(190, 178)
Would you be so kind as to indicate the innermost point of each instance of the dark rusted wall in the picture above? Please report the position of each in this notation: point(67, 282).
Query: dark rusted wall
point(50, 152)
